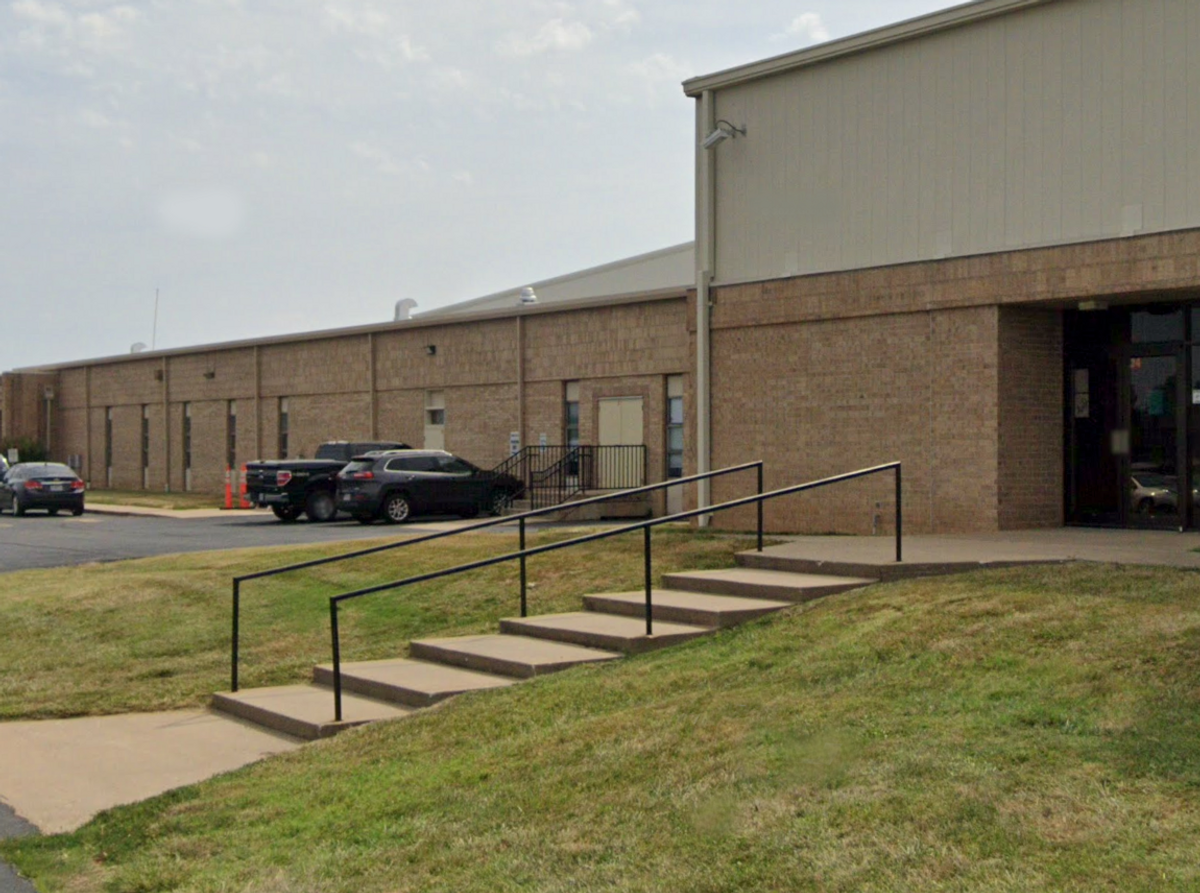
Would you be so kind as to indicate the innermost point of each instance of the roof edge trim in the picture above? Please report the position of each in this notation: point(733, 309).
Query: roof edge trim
point(858, 43)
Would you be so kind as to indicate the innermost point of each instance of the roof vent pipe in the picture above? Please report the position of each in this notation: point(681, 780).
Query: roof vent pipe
point(528, 295)
point(404, 309)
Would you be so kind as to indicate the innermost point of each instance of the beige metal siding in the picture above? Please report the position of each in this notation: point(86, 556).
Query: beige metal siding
point(1067, 122)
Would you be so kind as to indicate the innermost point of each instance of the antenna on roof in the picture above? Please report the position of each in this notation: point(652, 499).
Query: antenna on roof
point(404, 309)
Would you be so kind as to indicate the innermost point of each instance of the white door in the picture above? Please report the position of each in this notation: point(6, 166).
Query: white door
point(621, 425)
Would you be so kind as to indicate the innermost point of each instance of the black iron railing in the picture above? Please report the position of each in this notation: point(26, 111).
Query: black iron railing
point(552, 474)
point(645, 526)
point(519, 519)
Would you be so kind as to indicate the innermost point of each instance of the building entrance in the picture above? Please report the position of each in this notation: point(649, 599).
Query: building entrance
point(1133, 416)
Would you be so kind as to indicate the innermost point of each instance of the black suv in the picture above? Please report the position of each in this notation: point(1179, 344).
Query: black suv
point(396, 484)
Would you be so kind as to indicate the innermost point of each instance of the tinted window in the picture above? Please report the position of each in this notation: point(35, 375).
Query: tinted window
point(454, 465)
point(413, 463)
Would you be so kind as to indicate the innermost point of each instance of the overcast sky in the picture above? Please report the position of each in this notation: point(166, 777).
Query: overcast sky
point(275, 166)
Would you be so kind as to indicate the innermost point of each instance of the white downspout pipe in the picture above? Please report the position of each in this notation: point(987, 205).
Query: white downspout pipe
point(705, 251)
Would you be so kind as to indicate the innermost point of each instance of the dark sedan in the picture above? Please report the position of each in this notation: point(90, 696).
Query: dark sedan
point(396, 484)
point(41, 485)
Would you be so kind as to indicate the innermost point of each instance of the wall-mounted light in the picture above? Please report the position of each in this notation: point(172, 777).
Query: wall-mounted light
point(158, 375)
point(723, 132)
point(1091, 306)
point(431, 349)
point(210, 374)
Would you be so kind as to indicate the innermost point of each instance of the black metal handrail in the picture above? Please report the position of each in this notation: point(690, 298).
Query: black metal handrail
point(521, 518)
point(645, 526)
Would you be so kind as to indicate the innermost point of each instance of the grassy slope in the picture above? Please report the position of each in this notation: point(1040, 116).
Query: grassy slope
point(1005, 731)
point(154, 633)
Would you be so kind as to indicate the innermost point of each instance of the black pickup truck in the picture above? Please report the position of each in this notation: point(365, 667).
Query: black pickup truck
point(292, 487)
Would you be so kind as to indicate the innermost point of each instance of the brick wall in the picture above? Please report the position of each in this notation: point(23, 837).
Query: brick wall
point(371, 385)
point(1031, 418)
point(818, 399)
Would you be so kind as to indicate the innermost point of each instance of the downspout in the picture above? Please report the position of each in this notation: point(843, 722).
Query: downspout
point(520, 379)
point(705, 245)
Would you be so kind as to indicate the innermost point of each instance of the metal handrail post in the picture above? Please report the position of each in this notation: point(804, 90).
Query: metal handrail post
point(760, 509)
point(646, 561)
point(233, 682)
point(524, 601)
point(899, 516)
point(337, 660)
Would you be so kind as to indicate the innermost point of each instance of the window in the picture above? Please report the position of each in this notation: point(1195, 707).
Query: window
point(435, 420)
point(145, 446)
point(108, 445)
point(283, 427)
point(231, 434)
point(413, 463)
point(454, 465)
point(187, 446)
point(571, 414)
point(435, 408)
point(674, 426)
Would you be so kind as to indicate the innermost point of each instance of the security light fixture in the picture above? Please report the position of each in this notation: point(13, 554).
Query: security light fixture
point(723, 132)
point(210, 374)
point(431, 349)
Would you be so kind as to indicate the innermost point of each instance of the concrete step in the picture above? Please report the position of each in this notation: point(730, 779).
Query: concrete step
point(412, 682)
point(769, 584)
point(304, 711)
point(883, 567)
point(696, 608)
point(508, 655)
point(611, 632)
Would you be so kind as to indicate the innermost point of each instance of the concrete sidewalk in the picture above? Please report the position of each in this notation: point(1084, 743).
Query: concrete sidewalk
point(57, 774)
point(876, 556)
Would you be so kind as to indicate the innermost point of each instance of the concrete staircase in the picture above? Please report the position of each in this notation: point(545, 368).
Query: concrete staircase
point(610, 626)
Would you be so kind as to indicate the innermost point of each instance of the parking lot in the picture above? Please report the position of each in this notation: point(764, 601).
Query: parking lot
point(38, 540)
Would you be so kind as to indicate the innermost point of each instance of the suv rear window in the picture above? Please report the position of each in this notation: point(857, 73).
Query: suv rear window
point(358, 465)
point(413, 463)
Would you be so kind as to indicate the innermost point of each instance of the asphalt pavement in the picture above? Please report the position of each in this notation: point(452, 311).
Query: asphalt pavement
point(114, 533)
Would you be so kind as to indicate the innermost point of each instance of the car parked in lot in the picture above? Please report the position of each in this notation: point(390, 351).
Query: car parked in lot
point(292, 487)
point(396, 484)
point(41, 485)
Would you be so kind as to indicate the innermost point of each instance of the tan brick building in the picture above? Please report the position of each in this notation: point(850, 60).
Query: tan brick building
point(969, 242)
point(175, 419)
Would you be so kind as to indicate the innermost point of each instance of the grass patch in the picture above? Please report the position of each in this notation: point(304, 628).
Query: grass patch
point(153, 634)
point(152, 500)
point(1015, 730)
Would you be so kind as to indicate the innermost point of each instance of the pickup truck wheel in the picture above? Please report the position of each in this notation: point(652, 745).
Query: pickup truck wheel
point(396, 509)
point(286, 513)
point(320, 506)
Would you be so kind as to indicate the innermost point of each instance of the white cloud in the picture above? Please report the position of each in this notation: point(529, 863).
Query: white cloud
point(661, 76)
point(807, 26)
point(554, 35)
point(41, 13)
point(380, 157)
point(211, 213)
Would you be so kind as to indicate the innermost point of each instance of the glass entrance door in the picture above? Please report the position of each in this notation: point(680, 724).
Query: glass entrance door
point(1156, 475)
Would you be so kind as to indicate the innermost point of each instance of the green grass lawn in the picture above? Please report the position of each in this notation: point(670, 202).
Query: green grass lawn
point(1017, 730)
point(154, 634)
point(155, 500)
